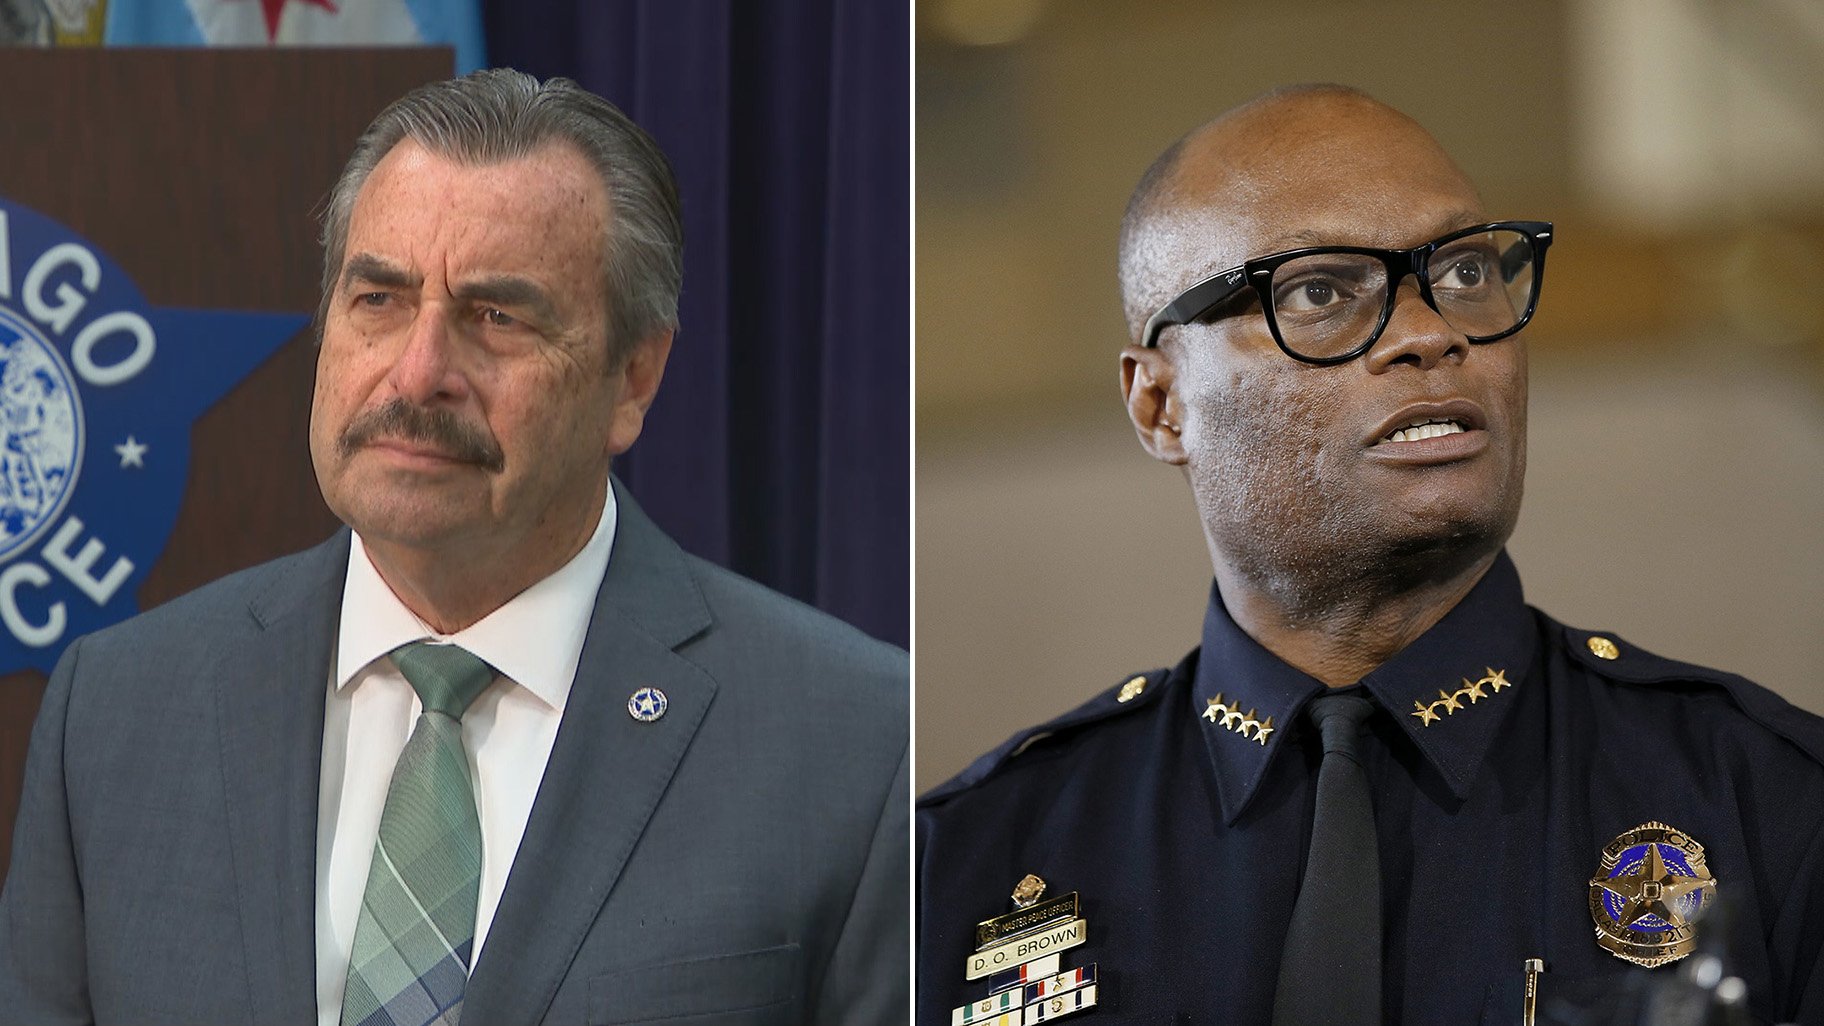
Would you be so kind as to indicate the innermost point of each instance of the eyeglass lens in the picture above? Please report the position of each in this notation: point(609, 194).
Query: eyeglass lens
point(1328, 304)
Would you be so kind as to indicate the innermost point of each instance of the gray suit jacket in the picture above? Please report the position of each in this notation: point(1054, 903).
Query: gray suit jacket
point(741, 860)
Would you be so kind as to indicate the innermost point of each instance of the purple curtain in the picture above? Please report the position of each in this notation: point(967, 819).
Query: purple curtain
point(780, 443)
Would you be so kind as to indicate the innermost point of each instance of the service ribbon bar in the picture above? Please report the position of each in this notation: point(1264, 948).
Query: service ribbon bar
point(1037, 969)
point(981, 1011)
point(1062, 982)
point(1063, 1004)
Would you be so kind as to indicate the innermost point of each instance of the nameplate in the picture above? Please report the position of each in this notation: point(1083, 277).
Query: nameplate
point(1016, 952)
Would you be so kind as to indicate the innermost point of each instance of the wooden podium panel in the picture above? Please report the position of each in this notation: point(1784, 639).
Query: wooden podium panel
point(201, 173)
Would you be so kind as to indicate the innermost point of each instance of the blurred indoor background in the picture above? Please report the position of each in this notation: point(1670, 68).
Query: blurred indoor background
point(1676, 485)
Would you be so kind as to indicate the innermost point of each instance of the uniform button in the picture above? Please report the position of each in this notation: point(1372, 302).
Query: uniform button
point(1603, 648)
point(1131, 690)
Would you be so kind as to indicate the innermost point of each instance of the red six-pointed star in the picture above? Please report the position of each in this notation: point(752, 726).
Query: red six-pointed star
point(272, 9)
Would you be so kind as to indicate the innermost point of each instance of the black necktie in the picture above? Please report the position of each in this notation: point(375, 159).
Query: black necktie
point(1330, 972)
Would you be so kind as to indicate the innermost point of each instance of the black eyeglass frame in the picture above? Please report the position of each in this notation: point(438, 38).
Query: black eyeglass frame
point(1219, 288)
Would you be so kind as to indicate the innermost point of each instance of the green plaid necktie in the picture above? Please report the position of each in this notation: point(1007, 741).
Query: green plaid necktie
point(417, 928)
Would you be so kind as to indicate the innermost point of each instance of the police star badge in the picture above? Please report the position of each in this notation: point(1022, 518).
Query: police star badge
point(1647, 894)
point(1018, 954)
point(99, 390)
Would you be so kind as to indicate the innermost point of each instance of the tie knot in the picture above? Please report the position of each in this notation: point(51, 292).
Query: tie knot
point(1339, 719)
point(446, 677)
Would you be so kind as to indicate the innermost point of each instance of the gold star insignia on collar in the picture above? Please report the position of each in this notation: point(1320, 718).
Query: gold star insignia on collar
point(1449, 703)
point(1217, 709)
point(1248, 723)
point(1230, 717)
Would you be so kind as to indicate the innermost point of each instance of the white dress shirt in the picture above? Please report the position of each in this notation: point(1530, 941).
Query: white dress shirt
point(535, 642)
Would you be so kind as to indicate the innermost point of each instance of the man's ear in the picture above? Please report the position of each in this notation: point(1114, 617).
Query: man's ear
point(1146, 386)
point(640, 377)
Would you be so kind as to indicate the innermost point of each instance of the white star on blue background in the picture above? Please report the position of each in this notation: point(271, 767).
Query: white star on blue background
point(646, 704)
point(132, 453)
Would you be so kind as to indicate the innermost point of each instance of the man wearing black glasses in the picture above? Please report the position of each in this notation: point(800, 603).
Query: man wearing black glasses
point(1384, 789)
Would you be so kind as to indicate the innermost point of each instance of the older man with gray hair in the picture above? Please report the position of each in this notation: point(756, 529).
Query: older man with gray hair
point(500, 751)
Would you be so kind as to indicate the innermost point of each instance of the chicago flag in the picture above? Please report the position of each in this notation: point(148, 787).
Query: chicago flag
point(300, 23)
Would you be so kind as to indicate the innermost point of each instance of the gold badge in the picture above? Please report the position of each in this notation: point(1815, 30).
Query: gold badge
point(1648, 893)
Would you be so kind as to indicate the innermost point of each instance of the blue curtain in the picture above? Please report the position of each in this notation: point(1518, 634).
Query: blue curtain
point(780, 443)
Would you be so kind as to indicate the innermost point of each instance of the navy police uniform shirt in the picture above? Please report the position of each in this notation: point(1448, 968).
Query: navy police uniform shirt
point(1505, 752)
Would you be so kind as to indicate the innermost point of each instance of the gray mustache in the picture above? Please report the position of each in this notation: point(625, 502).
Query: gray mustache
point(438, 427)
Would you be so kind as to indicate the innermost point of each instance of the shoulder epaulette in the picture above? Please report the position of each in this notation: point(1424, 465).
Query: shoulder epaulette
point(1608, 655)
point(1134, 692)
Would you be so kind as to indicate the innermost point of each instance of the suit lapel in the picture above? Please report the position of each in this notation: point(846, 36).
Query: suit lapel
point(606, 773)
point(272, 692)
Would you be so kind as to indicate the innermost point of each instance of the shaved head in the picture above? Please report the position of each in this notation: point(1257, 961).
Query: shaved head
point(1302, 505)
point(1236, 160)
